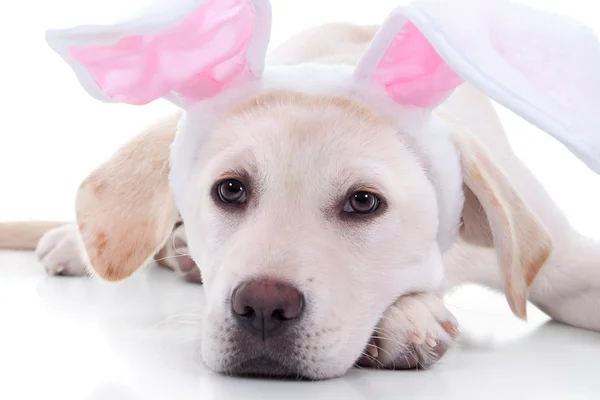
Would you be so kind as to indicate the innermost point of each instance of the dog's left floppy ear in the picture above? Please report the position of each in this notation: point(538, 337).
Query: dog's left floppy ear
point(186, 56)
point(402, 60)
point(125, 209)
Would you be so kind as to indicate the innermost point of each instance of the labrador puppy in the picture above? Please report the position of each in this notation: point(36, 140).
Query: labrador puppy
point(312, 222)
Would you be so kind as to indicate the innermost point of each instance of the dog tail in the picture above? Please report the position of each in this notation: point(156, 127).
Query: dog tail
point(24, 235)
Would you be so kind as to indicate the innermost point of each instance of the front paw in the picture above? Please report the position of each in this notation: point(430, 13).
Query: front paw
point(414, 333)
point(60, 253)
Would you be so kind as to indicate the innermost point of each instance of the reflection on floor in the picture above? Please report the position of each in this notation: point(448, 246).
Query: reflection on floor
point(78, 338)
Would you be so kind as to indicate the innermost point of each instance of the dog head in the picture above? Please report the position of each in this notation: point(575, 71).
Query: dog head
point(313, 196)
point(309, 218)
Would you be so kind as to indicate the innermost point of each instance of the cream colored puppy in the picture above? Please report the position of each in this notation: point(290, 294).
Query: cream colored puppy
point(314, 224)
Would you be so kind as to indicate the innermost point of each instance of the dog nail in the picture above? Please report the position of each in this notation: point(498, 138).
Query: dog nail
point(431, 341)
point(450, 328)
point(179, 243)
point(372, 348)
point(194, 276)
point(186, 264)
point(414, 338)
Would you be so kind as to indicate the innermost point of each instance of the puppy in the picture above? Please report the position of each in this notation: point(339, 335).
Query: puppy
point(315, 226)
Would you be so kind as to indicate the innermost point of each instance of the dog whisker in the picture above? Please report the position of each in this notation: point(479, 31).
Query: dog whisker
point(167, 258)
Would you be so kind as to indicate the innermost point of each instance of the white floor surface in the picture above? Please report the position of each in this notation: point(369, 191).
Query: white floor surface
point(79, 339)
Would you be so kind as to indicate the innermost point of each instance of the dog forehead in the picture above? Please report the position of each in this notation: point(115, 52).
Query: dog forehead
point(324, 141)
point(294, 122)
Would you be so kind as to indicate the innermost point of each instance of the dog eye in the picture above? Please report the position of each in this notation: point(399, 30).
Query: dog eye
point(362, 203)
point(232, 191)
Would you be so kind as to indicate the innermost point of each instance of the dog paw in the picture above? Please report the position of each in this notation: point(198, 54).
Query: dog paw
point(414, 333)
point(59, 252)
point(175, 256)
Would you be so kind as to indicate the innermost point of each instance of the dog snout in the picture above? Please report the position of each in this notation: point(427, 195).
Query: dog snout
point(266, 307)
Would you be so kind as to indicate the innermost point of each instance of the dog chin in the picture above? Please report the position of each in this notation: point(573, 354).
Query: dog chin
point(279, 360)
point(268, 367)
point(273, 360)
point(280, 368)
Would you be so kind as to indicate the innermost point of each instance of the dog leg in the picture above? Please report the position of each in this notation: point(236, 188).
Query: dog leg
point(60, 253)
point(414, 332)
point(24, 235)
point(567, 288)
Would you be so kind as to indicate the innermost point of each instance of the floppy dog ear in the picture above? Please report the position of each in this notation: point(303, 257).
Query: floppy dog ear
point(521, 241)
point(125, 209)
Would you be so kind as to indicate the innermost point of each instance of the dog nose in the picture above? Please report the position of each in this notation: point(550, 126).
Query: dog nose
point(266, 307)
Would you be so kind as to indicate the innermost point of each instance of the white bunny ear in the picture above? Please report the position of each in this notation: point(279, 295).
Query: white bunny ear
point(190, 55)
point(542, 66)
point(403, 61)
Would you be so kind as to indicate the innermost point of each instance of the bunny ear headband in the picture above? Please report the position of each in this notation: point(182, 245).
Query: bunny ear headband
point(544, 67)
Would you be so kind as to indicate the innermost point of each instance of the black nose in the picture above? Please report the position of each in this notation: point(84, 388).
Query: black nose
point(266, 307)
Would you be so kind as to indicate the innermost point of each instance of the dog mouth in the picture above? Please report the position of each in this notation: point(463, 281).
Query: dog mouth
point(276, 365)
point(281, 361)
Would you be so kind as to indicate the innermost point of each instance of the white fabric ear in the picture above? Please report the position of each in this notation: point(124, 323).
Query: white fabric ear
point(193, 53)
point(402, 60)
point(543, 66)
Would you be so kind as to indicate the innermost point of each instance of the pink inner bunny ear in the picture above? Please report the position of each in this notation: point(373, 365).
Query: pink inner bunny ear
point(216, 45)
point(401, 59)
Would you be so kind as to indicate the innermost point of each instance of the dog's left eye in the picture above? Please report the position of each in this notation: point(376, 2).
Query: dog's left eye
point(362, 202)
point(232, 191)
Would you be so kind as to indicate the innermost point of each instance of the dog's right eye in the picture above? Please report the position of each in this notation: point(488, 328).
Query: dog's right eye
point(232, 191)
point(362, 202)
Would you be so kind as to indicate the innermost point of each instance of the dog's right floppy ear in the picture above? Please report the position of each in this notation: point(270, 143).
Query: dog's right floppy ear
point(494, 208)
point(125, 209)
